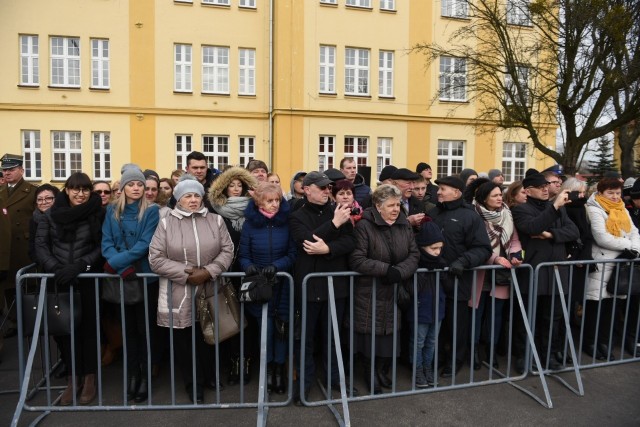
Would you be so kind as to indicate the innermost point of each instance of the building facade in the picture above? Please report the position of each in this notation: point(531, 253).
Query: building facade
point(92, 84)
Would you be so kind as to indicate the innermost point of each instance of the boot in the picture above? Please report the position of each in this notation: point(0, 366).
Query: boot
point(134, 383)
point(247, 370)
point(495, 357)
point(421, 379)
point(382, 368)
point(270, 376)
point(67, 395)
point(375, 388)
point(234, 371)
point(88, 389)
point(143, 390)
point(279, 385)
point(476, 359)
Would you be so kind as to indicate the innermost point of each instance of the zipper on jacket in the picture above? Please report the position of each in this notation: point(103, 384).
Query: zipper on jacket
point(195, 233)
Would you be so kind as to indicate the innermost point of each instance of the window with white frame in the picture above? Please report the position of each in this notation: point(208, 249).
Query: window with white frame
point(216, 149)
point(384, 154)
point(450, 157)
point(182, 68)
point(101, 155)
point(453, 79)
point(455, 8)
point(183, 148)
point(327, 69)
point(358, 148)
point(518, 12)
point(385, 73)
point(29, 61)
point(248, 3)
point(32, 154)
point(356, 63)
point(65, 61)
point(67, 153)
point(247, 69)
point(387, 4)
point(100, 63)
point(215, 69)
point(217, 2)
point(513, 89)
point(326, 152)
point(247, 149)
point(359, 3)
point(513, 161)
point(329, 1)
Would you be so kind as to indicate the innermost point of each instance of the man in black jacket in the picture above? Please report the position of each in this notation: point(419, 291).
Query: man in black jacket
point(466, 245)
point(323, 235)
point(544, 228)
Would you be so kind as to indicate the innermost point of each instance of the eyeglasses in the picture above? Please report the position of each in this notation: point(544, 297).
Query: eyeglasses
point(555, 182)
point(48, 199)
point(103, 192)
point(78, 190)
point(325, 187)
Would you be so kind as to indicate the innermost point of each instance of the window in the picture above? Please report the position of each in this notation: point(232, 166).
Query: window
point(513, 90)
point(358, 148)
point(329, 2)
point(67, 153)
point(29, 61)
point(518, 12)
point(247, 150)
point(100, 63)
point(327, 69)
point(326, 152)
point(513, 160)
point(101, 155)
point(247, 3)
point(247, 78)
point(182, 66)
point(387, 4)
point(356, 72)
point(384, 154)
point(215, 69)
point(217, 2)
point(65, 61)
point(183, 148)
point(385, 73)
point(450, 157)
point(455, 8)
point(453, 79)
point(216, 150)
point(359, 3)
point(32, 154)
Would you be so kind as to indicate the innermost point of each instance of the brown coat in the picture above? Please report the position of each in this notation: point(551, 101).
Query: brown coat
point(16, 210)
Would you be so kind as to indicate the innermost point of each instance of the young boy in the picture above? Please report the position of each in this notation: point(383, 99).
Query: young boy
point(430, 242)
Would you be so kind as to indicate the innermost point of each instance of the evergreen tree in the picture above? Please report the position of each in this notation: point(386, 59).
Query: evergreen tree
point(603, 162)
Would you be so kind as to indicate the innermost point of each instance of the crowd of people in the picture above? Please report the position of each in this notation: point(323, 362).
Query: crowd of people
point(196, 224)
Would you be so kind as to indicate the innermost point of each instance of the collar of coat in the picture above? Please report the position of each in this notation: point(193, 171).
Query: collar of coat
point(372, 214)
point(538, 203)
point(453, 204)
point(180, 214)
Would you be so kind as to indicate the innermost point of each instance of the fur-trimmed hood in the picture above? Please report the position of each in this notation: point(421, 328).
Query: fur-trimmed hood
point(217, 192)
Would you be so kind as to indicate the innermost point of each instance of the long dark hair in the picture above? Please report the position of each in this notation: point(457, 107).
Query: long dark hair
point(78, 180)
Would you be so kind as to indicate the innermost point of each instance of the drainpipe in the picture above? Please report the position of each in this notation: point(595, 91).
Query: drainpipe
point(271, 5)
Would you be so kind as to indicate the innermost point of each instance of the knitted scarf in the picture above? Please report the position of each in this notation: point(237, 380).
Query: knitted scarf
point(67, 217)
point(618, 219)
point(499, 225)
point(233, 210)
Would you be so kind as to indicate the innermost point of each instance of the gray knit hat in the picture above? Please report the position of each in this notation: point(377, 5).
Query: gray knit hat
point(131, 172)
point(187, 184)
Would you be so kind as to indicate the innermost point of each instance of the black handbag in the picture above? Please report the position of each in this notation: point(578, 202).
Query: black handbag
point(625, 286)
point(256, 288)
point(57, 310)
point(133, 289)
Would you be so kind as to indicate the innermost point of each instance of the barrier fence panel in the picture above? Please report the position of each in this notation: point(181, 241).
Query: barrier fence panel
point(189, 342)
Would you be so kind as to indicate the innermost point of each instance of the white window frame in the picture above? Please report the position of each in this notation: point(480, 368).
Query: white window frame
point(518, 12)
point(215, 69)
point(247, 145)
point(356, 71)
point(211, 148)
point(217, 2)
point(100, 74)
point(329, 1)
point(455, 8)
point(359, 3)
point(514, 161)
point(66, 147)
point(356, 143)
point(383, 157)
point(523, 82)
point(327, 69)
point(183, 144)
point(453, 79)
point(386, 62)
point(387, 4)
point(182, 57)
point(101, 143)
point(247, 71)
point(250, 4)
point(32, 152)
point(29, 60)
point(326, 152)
point(450, 163)
point(65, 62)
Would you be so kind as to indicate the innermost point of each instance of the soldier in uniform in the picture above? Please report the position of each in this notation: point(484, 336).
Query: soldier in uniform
point(17, 201)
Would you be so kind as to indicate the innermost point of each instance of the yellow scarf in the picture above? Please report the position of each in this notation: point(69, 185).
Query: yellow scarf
point(618, 217)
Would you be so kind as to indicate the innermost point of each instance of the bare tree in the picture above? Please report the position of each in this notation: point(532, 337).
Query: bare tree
point(547, 63)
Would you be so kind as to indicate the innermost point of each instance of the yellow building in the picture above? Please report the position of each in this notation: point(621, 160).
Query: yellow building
point(90, 85)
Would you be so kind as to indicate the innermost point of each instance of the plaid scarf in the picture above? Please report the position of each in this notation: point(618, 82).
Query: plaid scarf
point(499, 225)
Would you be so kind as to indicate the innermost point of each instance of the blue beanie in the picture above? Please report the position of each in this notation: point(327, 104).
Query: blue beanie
point(429, 234)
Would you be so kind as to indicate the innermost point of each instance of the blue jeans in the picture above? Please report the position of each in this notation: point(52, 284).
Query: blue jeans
point(484, 307)
point(276, 348)
point(427, 334)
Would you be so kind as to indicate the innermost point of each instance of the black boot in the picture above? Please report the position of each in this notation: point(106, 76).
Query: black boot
point(143, 391)
point(495, 357)
point(279, 383)
point(270, 376)
point(234, 371)
point(375, 388)
point(476, 359)
point(247, 370)
point(382, 369)
point(134, 383)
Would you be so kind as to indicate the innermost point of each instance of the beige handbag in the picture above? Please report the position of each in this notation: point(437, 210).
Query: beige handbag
point(228, 310)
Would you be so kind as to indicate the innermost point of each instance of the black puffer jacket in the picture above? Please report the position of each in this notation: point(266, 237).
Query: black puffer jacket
point(379, 246)
point(465, 239)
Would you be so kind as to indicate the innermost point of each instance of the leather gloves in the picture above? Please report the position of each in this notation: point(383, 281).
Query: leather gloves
point(67, 274)
point(269, 272)
point(129, 274)
point(393, 274)
point(197, 276)
point(252, 270)
point(108, 269)
point(456, 268)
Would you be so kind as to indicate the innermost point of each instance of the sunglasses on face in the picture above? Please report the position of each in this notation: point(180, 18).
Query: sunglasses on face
point(102, 191)
point(325, 187)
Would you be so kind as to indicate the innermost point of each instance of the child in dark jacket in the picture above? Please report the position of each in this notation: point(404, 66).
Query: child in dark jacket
point(430, 242)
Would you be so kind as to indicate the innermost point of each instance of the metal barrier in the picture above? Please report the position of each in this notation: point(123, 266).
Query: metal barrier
point(108, 403)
